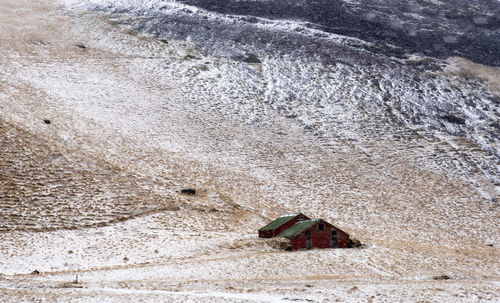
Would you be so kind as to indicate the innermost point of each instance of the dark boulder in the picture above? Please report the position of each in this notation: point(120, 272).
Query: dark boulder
point(453, 119)
point(251, 58)
point(441, 277)
point(188, 191)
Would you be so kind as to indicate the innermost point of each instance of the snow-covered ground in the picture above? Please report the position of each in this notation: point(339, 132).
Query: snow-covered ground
point(135, 119)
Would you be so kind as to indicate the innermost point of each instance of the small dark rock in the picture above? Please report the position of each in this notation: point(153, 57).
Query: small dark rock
point(35, 272)
point(442, 277)
point(203, 68)
point(251, 58)
point(495, 99)
point(354, 243)
point(39, 42)
point(46, 121)
point(489, 244)
point(453, 119)
point(188, 191)
point(470, 103)
point(81, 46)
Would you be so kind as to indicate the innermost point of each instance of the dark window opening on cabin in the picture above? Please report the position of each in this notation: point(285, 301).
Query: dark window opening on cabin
point(334, 232)
point(321, 227)
point(308, 233)
point(300, 218)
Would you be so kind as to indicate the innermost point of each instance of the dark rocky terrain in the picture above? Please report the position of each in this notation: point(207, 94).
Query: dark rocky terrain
point(438, 29)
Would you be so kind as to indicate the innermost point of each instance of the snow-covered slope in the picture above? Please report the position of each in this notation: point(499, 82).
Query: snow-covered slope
point(336, 86)
point(401, 152)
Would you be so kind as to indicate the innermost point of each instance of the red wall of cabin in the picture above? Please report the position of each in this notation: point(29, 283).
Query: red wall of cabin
point(298, 243)
point(320, 238)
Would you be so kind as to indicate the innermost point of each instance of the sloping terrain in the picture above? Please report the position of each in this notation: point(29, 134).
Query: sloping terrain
point(135, 119)
point(329, 84)
point(43, 190)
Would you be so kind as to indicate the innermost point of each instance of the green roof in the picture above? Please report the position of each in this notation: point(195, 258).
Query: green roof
point(298, 227)
point(278, 222)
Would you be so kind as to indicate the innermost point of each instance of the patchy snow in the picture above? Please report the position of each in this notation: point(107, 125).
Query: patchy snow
point(134, 120)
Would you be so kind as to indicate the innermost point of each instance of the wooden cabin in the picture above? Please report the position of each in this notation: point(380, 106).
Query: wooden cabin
point(305, 233)
point(315, 234)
